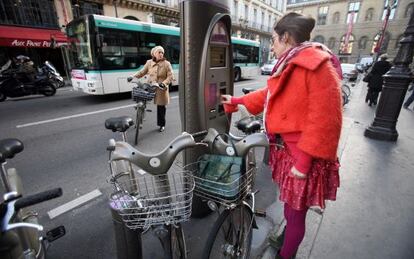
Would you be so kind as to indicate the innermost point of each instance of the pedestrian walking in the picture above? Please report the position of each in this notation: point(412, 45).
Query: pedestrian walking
point(159, 71)
point(302, 107)
point(375, 80)
point(410, 98)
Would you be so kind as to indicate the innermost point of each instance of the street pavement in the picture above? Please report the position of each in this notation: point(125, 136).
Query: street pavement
point(373, 216)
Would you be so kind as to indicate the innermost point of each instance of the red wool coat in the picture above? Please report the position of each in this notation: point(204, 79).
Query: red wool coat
point(305, 98)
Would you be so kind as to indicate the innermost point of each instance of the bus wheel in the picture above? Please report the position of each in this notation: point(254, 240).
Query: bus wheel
point(237, 74)
point(2, 97)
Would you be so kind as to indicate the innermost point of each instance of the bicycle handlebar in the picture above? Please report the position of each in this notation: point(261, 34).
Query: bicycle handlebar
point(154, 164)
point(161, 162)
point(37, 198)
point(148, 86)
point(13, 203)
point(200, 134)
point(217, 145)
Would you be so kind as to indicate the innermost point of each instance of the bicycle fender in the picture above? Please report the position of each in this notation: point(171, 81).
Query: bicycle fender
point(254, 223)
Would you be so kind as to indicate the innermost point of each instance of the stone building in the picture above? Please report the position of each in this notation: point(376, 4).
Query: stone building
point(254, 19)
point(353, 41)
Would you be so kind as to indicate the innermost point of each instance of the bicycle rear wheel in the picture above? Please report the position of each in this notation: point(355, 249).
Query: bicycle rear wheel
point(139, 119)
point(231, 236)
point(178, 249)
point(345, 99)
point(346, 89)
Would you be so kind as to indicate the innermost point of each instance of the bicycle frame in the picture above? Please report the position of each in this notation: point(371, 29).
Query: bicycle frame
point(158, 212)
point(20, 222)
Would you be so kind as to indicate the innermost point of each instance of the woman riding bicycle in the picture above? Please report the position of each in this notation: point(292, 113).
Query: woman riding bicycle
point(159, 71)
point(302, 104)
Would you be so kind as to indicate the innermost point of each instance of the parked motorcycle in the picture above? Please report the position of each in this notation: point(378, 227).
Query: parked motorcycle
point(50, 70)
point(12, 85)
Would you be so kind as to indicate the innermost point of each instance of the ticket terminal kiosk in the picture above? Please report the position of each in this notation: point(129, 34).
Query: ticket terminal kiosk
point(206, 71)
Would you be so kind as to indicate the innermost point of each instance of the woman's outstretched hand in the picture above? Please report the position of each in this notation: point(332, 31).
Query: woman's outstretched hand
point(228, 106)
point(226, 99)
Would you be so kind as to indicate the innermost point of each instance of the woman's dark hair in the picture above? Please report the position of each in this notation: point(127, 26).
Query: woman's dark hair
point(298, 26)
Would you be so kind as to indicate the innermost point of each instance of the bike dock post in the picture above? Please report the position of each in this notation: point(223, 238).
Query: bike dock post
point(127, 240)
point(206, 72)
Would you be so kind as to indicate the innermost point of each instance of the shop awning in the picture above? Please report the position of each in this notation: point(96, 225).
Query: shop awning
point(13, 36)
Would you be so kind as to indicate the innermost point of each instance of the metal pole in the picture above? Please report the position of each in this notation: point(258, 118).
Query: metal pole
point(396, 82)
point(115, 6)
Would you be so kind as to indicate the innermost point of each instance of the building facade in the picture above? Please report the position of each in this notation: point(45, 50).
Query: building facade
point(254, 20)
point(353, 28)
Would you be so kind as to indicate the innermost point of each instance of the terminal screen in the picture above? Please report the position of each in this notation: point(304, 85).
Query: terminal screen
point(217, 56)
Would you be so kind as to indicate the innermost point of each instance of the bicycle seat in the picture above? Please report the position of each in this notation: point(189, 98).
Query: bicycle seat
point(9, 147)
point(248, 125)
point(247, 90)
point(120, 124)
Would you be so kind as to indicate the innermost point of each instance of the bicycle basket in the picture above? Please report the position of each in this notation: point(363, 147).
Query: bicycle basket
point(222, 180)
point(148, 200)
point(139, 94)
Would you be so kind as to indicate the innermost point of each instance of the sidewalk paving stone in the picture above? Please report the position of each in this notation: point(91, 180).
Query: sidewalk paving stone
point(373, 216)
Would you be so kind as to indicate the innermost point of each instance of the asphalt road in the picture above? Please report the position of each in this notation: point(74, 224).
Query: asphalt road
point(65, 146)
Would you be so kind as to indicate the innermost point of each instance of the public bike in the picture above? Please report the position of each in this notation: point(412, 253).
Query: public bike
point(234, 200)
point(141, 94)
point(20, 232)
point(148, 193)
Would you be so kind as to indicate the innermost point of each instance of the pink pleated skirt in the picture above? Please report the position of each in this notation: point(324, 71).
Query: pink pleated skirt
point(320, 185)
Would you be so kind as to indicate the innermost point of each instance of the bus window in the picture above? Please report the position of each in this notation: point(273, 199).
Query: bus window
point(80, 47)
point(119, 49)
point(245, 54)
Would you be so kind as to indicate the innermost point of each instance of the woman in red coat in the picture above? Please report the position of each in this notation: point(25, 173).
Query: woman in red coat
point(302, 105)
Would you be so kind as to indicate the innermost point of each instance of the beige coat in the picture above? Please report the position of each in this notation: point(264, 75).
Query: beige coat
point(158, 72)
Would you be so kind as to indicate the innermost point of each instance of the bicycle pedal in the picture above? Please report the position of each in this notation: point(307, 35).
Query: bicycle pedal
point(260, 213)
point(55, 233)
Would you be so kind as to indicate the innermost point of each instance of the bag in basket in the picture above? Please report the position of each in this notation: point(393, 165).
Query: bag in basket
point(220, 175)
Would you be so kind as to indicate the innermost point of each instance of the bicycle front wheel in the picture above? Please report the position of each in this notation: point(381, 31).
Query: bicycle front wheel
point(139, 119)
point(346, 89)
point(231, 236)
point(177, 242)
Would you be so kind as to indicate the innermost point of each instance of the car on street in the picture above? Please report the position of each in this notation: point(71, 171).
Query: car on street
point(364, 64)
point(267, 68)
point(349, 71)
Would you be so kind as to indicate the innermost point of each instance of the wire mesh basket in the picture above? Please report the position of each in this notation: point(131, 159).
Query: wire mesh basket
point(148, 200)
point(139, 94)
point(228, 193)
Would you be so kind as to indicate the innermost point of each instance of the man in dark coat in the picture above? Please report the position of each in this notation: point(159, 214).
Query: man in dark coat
point(375, 82)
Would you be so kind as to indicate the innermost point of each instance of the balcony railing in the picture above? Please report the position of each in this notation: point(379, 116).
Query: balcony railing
point(243, 23)
point(166, 3)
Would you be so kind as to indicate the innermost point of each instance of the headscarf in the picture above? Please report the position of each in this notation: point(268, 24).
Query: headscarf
point(289, 54)
point(156, 49)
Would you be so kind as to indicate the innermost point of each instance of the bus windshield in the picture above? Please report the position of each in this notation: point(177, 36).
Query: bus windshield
point(80, 45)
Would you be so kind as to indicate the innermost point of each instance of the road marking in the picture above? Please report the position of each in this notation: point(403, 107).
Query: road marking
point(78, 115)
point(73, 116)
point(74, 203)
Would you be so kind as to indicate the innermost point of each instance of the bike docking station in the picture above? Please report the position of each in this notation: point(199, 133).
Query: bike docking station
point(206, 73)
